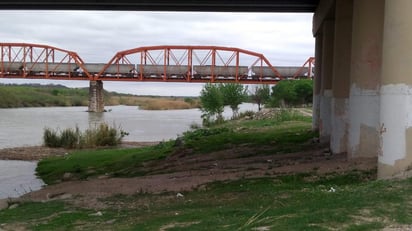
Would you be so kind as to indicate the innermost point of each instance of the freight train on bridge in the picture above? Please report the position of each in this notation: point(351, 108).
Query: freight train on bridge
point(154, 63)
point(149, 72)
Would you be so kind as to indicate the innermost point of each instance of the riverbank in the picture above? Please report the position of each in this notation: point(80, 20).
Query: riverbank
point(266, 172)
point(18, 96)
point(36, 153)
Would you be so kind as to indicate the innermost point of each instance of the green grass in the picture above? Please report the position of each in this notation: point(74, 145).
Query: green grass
point(87, 163)
point(288, 202)
point(280, 138)
point(283, 203)
point(41, 96)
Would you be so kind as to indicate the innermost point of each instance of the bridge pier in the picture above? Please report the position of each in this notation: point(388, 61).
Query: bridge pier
point(365, 78)
point(395, 156)
point(367, 72)
point(340, 78)
point(326, 81)
point(96, 98)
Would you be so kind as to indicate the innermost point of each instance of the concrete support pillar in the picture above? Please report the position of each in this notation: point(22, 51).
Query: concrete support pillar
point(365, 75)
point(395, 157)
point(328, 29)
point(341, 73)
point(96, 99)
point(317, 83)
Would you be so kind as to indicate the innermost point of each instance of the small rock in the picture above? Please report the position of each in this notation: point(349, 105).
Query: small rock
point(179, 195)
point(98, 214)
point(109, 222)
point(67, 176)
point(13, 206)
point(65, 196)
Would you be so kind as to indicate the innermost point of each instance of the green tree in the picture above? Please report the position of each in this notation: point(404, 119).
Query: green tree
point(261, 95)
point(292, 93)
point(304, 90)
point(283, 94)
point(233, 95)
point(212, 103)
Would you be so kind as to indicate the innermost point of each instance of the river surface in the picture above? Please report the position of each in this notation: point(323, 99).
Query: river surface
point(24, 127)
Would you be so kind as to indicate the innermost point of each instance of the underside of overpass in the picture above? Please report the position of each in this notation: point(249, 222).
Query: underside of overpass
point(167, 5)
point(362, 90)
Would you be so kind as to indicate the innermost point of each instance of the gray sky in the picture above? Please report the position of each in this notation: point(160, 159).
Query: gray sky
point(284, 38)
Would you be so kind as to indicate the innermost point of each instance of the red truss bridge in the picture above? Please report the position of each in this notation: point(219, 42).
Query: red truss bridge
point(197, 64)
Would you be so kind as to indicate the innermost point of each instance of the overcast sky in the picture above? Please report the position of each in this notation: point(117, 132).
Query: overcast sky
point(284, 38)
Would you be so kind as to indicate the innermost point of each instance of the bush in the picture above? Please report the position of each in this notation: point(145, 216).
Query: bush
point(51, 138)
point(102, 135)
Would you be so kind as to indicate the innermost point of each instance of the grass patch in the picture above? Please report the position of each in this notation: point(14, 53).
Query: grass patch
point(282, 203)
point(87, 163)
point(280, 138)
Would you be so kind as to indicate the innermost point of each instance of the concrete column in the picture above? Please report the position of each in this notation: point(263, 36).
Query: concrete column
point(96, 99)
point(326, 80)
point(341, 73)
point(395, 157)
point(365, 75)
point(317, 83)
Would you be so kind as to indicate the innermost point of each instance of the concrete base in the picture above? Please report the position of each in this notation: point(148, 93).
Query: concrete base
point(395, 157)
point(96, 99)
point(339, 122)
point(325, 116)
point(364, 107)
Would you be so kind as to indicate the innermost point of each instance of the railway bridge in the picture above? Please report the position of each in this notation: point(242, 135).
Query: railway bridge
point(189, 64)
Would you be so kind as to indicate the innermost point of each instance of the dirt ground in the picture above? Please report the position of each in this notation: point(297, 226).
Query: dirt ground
point(181, 172)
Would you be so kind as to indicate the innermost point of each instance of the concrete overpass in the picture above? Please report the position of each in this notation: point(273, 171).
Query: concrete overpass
point(363, 89)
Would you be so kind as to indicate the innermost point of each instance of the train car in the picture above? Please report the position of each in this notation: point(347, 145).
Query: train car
point(11, 68)
point(158, 71)
point(286, 72)
point(114, 70)
point(50, 67)
point(221, 72)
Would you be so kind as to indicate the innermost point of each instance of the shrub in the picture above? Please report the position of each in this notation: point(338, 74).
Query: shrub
point(51, 138)
point(102, 135)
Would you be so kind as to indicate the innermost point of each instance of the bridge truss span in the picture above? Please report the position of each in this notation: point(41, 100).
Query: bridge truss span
point(189, 64)
point(35, 61)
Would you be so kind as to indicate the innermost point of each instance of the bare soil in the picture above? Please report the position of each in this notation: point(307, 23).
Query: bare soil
point(184, 172)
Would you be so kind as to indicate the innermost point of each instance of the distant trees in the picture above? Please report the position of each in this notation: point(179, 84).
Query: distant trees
point(292, 93)
point(212, 103)
point(214, 97)
point(260, 95)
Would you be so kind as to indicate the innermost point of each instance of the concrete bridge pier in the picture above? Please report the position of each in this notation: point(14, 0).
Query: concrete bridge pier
point(328, 29)
point(340, 76)
point(365, 76)
point(96, 98)
point(365, 96)
point(395, 156)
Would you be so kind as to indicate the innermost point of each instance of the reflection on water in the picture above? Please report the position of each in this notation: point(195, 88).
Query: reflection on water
point(95, 118)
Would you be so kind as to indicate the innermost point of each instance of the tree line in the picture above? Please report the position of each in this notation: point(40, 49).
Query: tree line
point(287, 93)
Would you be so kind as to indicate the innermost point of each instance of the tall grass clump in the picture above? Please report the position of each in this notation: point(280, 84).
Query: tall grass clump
point(98, 136)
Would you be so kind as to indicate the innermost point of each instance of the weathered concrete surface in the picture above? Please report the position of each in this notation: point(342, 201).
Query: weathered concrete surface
point(326, 81)
point(341, 73)
point(366, 60)
point(395, 157)
point(96, 99)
